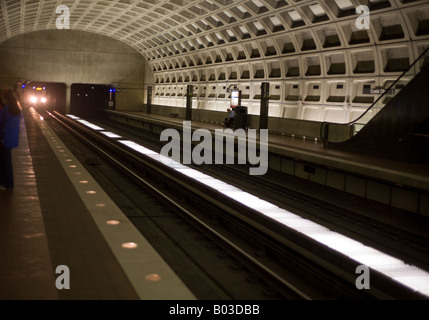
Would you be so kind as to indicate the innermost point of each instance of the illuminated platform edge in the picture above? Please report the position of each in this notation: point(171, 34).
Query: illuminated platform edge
point(149, 274)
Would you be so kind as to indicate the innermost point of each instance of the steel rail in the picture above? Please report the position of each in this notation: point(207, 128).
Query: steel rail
point(324, 258)
point(171, 201)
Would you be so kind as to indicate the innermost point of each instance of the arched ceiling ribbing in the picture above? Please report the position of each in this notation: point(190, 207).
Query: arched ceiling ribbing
point(175, 34)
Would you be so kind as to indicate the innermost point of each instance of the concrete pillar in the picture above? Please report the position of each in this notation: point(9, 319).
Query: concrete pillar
point(265, 99)
point(299, 111)
point(149, 100)
point(189, 96)
point(68, 97)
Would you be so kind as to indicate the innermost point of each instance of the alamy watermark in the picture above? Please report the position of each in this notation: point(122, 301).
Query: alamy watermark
point(63, 21)
point(363, 22)
point(362, 281)
point(210, 147)
point(63, 280)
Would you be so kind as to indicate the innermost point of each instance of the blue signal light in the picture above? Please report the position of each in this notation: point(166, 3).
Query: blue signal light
point(23, 86)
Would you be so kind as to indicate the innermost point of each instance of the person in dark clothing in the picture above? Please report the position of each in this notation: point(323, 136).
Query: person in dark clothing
point(10, 116)
point(230, 119)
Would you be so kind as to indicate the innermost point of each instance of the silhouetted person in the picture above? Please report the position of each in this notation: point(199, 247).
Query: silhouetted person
point(10, 116)
point(230, 119)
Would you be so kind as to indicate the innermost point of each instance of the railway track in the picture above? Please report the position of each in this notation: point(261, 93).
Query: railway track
point(358, 218)
point(249, 257)
point(363, 220)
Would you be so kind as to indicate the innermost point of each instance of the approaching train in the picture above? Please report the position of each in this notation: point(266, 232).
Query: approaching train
point(35, 96)
point(84, 99)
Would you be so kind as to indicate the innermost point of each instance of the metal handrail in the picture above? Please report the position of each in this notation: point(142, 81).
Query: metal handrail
point(322, 126)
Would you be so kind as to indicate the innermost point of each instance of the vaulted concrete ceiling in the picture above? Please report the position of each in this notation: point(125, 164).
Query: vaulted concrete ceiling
point(175, 34)
point(165, 27)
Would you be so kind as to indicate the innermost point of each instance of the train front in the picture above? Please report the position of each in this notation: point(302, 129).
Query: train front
point(36, 96)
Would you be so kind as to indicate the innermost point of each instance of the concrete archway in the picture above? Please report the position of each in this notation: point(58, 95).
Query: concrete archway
point(70, 56)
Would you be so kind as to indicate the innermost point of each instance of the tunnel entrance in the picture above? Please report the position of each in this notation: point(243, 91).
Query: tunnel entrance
point(50, 96)
point(89, 100)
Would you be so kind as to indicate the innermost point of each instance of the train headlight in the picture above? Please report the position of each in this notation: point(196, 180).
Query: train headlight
point(43, 100)
point(33, 99)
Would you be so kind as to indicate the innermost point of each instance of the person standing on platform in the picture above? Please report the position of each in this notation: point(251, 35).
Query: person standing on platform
point(10, 116)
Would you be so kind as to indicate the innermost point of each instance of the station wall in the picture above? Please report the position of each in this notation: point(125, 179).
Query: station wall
point(319, 68)
point(71, 56)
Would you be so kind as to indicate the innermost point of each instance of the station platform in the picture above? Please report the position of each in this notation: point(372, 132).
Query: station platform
point(399, 184)
point(63, 238)
point(58, 216)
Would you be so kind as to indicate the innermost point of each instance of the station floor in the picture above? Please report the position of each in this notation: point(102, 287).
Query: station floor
point(50, 220)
